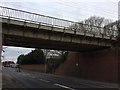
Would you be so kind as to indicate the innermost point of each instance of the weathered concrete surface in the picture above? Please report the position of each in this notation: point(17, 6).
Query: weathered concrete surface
point(97, 65)
point(24, 34)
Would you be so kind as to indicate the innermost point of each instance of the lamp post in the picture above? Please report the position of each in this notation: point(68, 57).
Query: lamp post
point(45, 66)
point(19, 65)
point(45, 54)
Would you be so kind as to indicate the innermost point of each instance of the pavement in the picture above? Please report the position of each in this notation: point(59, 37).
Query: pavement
point(30, 79)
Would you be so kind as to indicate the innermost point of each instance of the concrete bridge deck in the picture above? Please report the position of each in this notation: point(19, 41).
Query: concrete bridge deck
point(27, 29)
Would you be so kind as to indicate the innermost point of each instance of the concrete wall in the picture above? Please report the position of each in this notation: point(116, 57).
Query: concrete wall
point(98, 65)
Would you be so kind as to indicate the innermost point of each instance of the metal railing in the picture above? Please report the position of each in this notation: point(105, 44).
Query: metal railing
point(6, 12)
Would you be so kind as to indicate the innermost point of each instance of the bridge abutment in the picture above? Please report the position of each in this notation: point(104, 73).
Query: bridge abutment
point(102, 65)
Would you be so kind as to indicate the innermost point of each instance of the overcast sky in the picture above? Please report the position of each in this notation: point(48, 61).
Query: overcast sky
point(75, 10)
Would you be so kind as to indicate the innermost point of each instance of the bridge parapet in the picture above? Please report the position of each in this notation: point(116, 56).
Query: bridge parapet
point(66, 25)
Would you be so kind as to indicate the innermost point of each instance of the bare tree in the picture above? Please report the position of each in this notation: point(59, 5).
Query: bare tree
point(2, 51)
point(52, 59)
point(97, 21)
point(92, 25)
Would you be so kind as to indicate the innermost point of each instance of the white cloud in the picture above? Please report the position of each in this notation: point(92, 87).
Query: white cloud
point(69, 10)
point(59, 0)
point(11, 53)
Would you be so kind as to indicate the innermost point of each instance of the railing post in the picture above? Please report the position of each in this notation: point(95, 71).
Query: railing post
point(64, 30)
point(104, 32)
point(39, 25)
point(75, 28)
point(25, 23)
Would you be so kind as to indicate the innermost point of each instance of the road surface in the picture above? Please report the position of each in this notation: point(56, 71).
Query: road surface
point(32, 80)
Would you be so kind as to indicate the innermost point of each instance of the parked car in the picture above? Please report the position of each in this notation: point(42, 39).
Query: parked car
point(13, 65)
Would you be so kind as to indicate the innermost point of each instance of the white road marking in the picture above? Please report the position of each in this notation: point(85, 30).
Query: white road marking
point(64, 86)
point(44, 80)
point(32, 76)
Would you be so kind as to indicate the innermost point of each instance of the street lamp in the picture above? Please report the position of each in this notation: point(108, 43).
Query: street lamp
point(19, 65)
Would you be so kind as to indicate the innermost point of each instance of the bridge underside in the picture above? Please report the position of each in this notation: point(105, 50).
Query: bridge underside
point(47, 44)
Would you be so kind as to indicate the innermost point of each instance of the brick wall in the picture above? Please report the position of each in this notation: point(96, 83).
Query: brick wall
point(98, 65)
point(34, 67)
